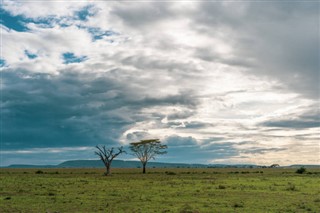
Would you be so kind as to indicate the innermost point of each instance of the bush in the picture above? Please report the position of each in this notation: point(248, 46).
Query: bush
point(221, 187)
point(39, 172)
point(170, 173)
point(238, 205)
point(51, 194)
point(188, 209)
point(301, 170)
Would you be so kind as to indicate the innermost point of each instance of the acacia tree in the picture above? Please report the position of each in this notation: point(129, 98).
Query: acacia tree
point(107, 156)
point(146, 150)
point(274, 165)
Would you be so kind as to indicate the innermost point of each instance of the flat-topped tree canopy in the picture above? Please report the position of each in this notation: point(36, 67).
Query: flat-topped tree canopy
point(146, 150)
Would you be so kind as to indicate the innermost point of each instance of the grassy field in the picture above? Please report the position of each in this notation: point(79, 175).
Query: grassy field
point(160, 190)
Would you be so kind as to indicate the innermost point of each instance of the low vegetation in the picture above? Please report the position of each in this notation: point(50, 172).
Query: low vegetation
point(301, 170)
point(159, 190)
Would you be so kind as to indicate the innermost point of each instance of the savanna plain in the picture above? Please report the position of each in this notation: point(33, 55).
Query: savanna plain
point(160, 190)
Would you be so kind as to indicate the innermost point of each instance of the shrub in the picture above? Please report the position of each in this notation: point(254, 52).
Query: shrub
point(188, 209)
point(301, 170)
point(39, 172)
point(238, 205)
point(317, 200)
point(170, 173)
point(221, 187)
point(51, 194)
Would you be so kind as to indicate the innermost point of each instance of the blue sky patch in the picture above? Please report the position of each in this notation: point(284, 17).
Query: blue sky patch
point(30, 55)
point(98, 33)
point(12, 22)
point(85, 13)
point(70, 58)
point(2, 62)
point(18, 23)
point(46, 22)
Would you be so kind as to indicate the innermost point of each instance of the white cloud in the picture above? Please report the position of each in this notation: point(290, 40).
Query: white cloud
point(37, 9)
point(189, 69)
point(47, 150)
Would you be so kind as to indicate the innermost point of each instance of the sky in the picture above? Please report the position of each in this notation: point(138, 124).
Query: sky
point(233, 82)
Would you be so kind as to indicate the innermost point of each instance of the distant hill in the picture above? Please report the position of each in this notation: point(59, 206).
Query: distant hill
point(26, 166)
point(137, 164)
point(124, 164)
point(115, 164)
point(305, 166)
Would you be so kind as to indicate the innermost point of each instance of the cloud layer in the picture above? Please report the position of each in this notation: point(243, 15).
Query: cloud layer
point(231, 82)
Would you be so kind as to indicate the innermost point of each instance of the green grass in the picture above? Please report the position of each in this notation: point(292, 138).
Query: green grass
point(160, 190)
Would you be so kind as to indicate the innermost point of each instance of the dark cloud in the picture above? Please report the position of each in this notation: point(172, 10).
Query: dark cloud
point(197, 124)
point(275, 39)
point(153, 62)
point(295, 124)
point(41, 110)
point(221, 150)
point(181, 114)
point(219, 145)
point(187, 149)
point(143, 14)
point(257, 150)
point(45, 156)
point(212, 139)
point(182, 99)
point(175, 140)
point(209, 55)
point(308, 119)
point(47, 111)
point(137, 136)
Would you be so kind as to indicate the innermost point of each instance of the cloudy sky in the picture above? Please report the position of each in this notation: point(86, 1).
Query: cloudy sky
point(217, 81)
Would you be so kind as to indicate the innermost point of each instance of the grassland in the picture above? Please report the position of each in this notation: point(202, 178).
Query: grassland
point(160, 190)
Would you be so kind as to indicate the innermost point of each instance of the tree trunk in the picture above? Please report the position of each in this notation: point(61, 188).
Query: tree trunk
point(144, 168)
point(108, 170)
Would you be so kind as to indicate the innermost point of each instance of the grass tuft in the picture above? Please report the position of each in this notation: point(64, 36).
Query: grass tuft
point(237, 205)
point(170, 173)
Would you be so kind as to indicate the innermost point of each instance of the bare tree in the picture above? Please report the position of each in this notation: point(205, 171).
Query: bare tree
point(146, 150)
point(107, 156)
